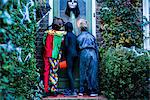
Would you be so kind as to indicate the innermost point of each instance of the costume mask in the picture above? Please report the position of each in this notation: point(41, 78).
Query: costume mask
point(72, 5)
point(57, 24)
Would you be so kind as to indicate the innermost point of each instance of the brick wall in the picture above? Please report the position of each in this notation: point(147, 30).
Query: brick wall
point(98, 34)
point(39, 43)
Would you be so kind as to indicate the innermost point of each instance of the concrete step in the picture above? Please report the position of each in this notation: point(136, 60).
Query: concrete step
point(85, 97)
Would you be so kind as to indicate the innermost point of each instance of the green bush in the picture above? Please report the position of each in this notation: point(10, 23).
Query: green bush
point(19, 75)
point(121, 23)
point(124, 73)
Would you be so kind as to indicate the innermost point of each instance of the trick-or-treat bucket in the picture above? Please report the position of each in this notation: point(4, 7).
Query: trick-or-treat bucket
point(63, 64)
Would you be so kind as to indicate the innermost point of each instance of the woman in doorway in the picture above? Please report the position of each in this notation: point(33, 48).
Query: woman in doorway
point(88, 63)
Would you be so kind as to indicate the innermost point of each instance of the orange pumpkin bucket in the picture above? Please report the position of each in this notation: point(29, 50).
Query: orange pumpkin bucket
point(63, 64)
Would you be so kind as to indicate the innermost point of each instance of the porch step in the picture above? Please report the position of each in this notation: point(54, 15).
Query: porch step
point(64, 83)
point(62, 97)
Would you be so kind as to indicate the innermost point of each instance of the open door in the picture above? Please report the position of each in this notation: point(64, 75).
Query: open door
point(87, 11)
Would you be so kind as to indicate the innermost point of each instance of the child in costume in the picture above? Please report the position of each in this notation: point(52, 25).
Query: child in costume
point(71, 55)
point(88, 64)
point(52, 56)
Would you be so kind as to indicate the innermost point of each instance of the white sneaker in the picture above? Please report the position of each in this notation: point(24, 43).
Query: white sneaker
point(80, 94)
point(93, 94)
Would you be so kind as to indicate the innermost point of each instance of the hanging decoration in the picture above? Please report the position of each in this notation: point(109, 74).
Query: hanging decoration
point(72, 6)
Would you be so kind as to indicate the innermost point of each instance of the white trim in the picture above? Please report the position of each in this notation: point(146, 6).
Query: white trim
point(94, 17)
point(146, 28)
point(50, 19)
point(43, 17)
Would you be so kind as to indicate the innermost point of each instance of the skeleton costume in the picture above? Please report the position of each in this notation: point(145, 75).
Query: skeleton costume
point(73, 12)
point(52, 55)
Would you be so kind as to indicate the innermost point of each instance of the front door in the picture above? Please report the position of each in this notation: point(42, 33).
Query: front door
point(87, 11)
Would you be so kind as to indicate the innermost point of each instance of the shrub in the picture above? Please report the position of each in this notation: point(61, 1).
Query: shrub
point(19, 75)
point(124, 73)
point(120, 23)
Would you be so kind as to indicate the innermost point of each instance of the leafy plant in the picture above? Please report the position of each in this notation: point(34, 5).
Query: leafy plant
point(42, 8)
point(125, 73)
point(121, 23)
point(19, 75)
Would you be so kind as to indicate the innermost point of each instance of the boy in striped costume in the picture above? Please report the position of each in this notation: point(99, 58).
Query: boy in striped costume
point(52, 56)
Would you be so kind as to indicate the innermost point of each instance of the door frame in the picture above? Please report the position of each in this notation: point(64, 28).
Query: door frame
point(146, 38)
point(53, 3)
point(50, 17)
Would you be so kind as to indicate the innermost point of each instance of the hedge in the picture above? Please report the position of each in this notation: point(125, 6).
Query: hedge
point(19, 76)
point(125, 73)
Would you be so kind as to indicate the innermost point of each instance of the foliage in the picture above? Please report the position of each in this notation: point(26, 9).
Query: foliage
point(124, 73)
point(19, 75)
point(121, 23)
point(42, 8)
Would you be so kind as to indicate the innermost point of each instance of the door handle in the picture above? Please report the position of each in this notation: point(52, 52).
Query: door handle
point(94, 15)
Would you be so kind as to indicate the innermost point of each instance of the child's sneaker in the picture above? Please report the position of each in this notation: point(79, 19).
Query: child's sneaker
point(67, 92)
point(80, 94)
point(73, 94)
point(93, 94)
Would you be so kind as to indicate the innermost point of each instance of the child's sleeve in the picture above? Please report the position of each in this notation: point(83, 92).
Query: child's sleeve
point(66, 41)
